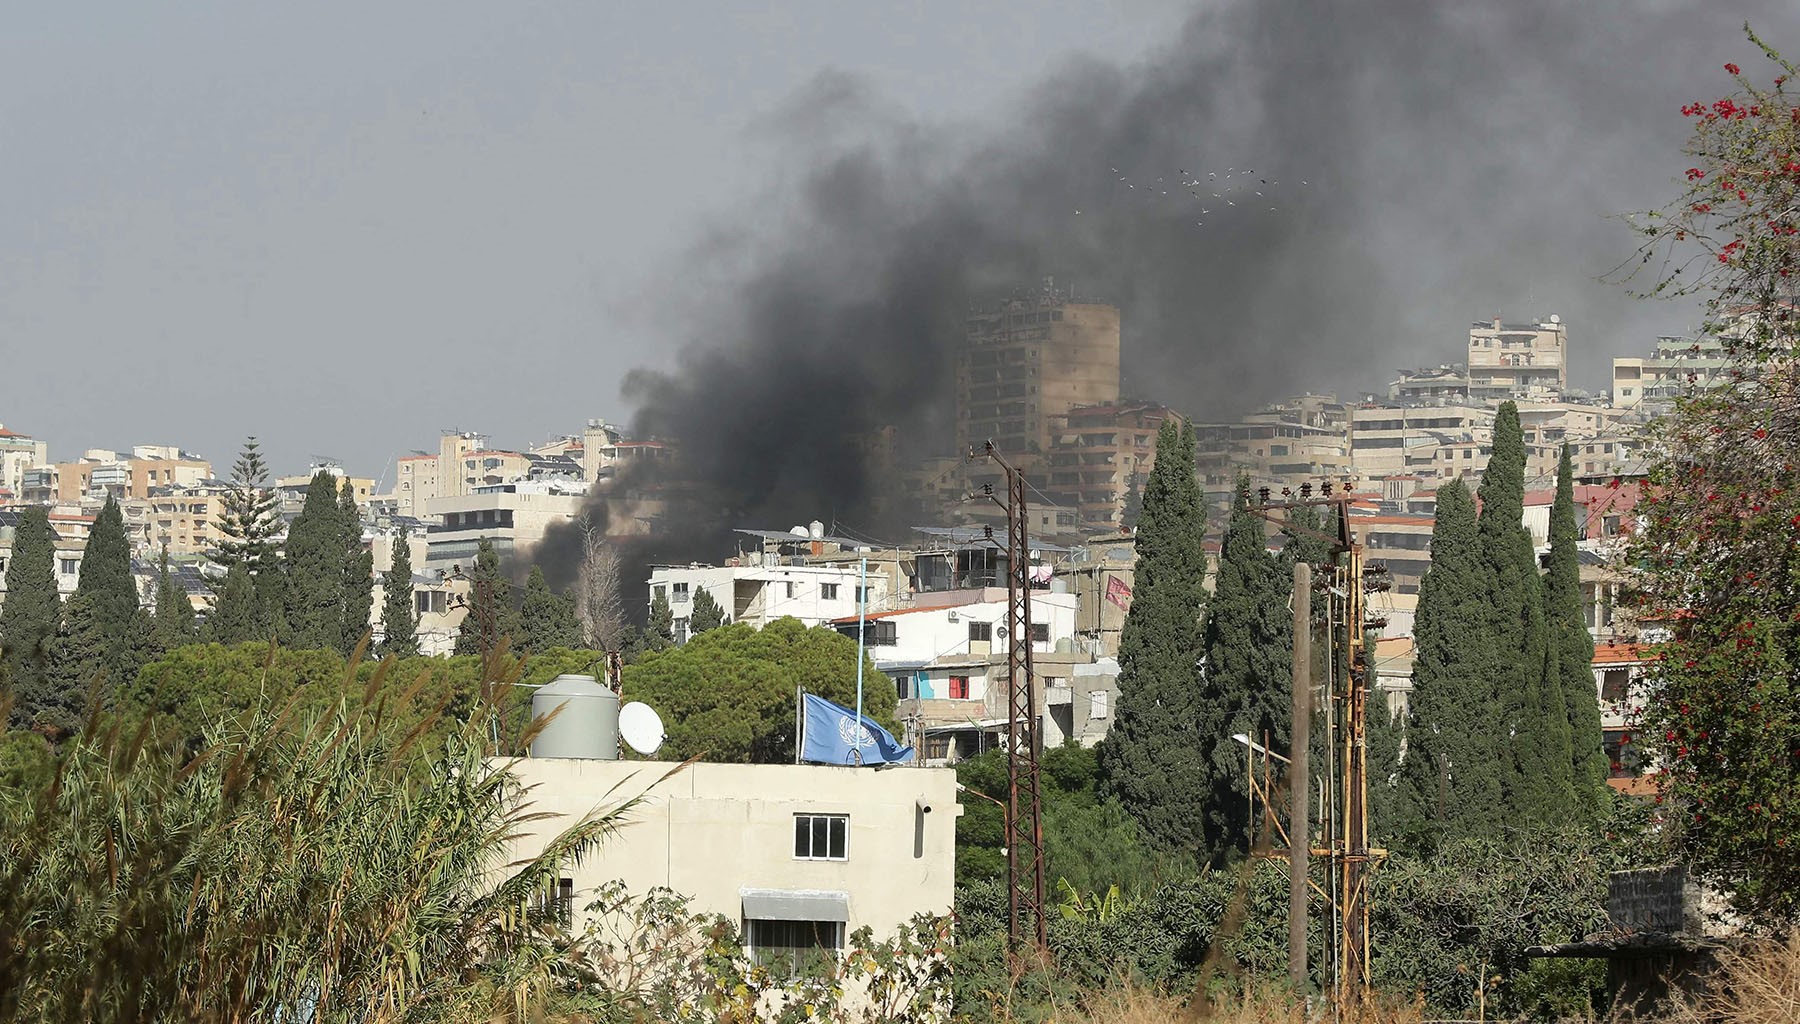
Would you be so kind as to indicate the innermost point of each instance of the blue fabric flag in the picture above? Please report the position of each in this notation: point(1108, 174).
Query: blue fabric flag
point(831, 737)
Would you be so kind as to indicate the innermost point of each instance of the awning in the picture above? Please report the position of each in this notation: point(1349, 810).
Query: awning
point(795, 905)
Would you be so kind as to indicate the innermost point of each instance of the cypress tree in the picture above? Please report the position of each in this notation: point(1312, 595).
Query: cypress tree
point(1452, 782)
point(79, 665)
point(491, 616)
point(1570, 649)
point(30, 616)
point(1152, 761)
point(706, 613)
point(1132, 508)
point(236, 616)
point(1539, 786)
point(399, 619)
point(546, 619)
point(1246, 685)
point(315, 569)
point(173, 625)
point(359, 573)
point(120, 635)
point(659, 632)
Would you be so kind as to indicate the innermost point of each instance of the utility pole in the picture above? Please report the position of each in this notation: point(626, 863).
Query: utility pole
point(1299, 837)
point(1024, 800)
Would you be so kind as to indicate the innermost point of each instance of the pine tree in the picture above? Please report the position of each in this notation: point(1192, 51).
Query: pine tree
point(1539, 786)
point(236, 616)
point(706, 613)
point(491, 617)
point(1247, 683)
point(1452, 781)
point(173, 625)
point(659, 632)
point(1151, 760)
point(121, 634)
point(1132, 508)
point(1570, 648)
point(250, 529)
point(399, 619)
point(546, 619)
point(359, 573)
point(30, 616)
point(315, 569)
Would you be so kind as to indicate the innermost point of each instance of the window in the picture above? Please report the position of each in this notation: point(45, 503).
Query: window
point(659, 591)
point(790, 590)
point(70, 566)
point(681, 630)
point(882, 634)
point(1097, 704)
point(959, 687)
point(821, 837)
point(903, 687)
point(681, 591)
point(862, 595)
point(1040, 632)
point(979, 631)
point(559, 900)
point(793, 944)
point(1614, 684)
point(828, 591)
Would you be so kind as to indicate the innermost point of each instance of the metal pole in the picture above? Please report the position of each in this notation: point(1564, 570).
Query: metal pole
point(1299, 837)
point(862, 629)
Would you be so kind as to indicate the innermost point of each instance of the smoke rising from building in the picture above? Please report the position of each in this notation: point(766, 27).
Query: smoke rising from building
point(1460, 160)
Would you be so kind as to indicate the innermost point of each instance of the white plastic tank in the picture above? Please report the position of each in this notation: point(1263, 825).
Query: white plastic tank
point(586, 727)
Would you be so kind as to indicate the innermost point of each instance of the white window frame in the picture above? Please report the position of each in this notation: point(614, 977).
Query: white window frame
point(810, 817)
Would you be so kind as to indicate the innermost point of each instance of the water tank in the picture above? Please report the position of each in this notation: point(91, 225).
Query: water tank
point(815, 529)
point(588, 725)
point(1059, 585)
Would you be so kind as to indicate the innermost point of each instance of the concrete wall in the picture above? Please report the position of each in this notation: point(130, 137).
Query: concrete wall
point(713, 830)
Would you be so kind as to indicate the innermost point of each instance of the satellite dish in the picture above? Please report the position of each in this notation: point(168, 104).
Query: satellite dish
point(640, 727)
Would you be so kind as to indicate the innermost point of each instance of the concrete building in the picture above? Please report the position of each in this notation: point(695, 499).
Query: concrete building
point(1303, 439)
point(67, 560)
point(101, 474)
point(18, 453)
point(514, 516)
point(1518, 360)
point(185, 520)
point(415, 482)
point(1437, 385)
point(606, 452)
point(1651, 385)
point(1391, 440)
point(1099, 454)
point(1027, 363)
point(760, 594)
point(1623, 675)
point(799, 856)
point(1401, 542)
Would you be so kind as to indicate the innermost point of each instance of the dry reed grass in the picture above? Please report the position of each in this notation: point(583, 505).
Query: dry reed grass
point(1757, 984)
point(1138, 1004)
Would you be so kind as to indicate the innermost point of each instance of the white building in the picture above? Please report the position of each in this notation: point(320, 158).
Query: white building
point(801, 856)
point(760, 594)
point(514, 516)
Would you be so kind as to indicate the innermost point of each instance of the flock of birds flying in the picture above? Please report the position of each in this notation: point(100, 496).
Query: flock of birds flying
point(1237, 188)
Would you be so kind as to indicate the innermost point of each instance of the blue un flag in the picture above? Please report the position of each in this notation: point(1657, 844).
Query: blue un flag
point(831, 736)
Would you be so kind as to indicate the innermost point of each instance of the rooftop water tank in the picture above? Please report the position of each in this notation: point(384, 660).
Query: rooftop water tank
point(586, 727)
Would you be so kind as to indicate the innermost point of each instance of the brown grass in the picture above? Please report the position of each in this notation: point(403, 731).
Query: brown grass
point(1135, 1004)
point(1757, 984)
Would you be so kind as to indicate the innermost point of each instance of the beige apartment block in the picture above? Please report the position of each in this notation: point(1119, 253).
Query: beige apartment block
point(1396, 440)
point(361, 486)
point(102, 474)
point(1027, 363)
point(1518, 360)
point(514, 516)
point(18, 453)
point(798, 856)
point(1100, 453)
point(1657, 380)
point(415, 482)
point(184, 520)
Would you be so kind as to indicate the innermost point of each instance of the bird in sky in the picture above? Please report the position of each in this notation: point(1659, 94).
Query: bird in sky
point(1229, 203)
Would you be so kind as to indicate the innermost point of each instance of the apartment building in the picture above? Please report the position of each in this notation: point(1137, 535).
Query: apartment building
point(1100, 454)
point(67, 560)
point(761, 594)
point(514, 516)
point(18, 453)
point(1393, 440)
point(1028, 362)
point(1623, 675)
point(185, 520)
point(415, 482)
point(1518, 360)
point(1400, 542)
point(1304, 439)
point(1651, 384)
point(1437, 385)
point(101, 473)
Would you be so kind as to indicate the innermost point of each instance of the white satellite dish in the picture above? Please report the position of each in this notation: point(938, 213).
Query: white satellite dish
point(641, 727)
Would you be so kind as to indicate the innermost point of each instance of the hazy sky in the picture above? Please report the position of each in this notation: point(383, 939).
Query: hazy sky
point(346, 229)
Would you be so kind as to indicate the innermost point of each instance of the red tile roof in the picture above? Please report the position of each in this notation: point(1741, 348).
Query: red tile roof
point(1623, 654)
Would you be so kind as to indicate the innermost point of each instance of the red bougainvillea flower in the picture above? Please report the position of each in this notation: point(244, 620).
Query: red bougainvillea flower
point(1731, 69)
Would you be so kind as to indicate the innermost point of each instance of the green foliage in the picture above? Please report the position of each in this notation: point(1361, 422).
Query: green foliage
point(1538, 787)
point(26, 761)
point(173, 624)
point(250, 520)
point(728, 694)
point(359, 574)
point(399, 620)
point(1151, 760)
point(313, 606)
point(491, 617)
point(546, 619)
point(659, 632)
point(1451, 783)
point(1247, 683)
point(238, 614)
point(30, 617)
point(1569, 650)
point(307, 869)
point(706, 613)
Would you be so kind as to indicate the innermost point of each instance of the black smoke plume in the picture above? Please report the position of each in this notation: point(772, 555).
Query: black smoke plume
point(1459, 160)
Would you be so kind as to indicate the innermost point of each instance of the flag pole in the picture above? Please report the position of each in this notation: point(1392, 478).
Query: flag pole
point(862, 630)
point(799, 722)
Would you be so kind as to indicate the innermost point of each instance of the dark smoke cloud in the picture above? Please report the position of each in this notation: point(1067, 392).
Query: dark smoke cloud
point(1464, 160)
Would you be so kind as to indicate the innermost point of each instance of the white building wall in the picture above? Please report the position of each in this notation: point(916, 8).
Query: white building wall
point(758, 595)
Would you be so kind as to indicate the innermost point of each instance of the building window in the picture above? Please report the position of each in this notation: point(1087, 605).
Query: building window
point(959, 687)
point(821, 837)
point(795, 945)
point(1615, 683)
point(558, 901)
point(828, 591)
point(903, 687)
point(979, 631)
point(659, 591)
point(1040, 632)
point(681, 592)
point(862, 595)
point(790, 590)
point(1097, 704)
point(70, 565)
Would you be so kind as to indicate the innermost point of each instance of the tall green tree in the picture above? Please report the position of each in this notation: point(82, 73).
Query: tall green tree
point(1452, 782)
point(1532, 710)
point(706, 613)
point(1247, 680)
point(173, 624)
point(314, 590)
point(237, 614)
point(546, 618)
point(359, 573)
point(250, 531)
point(106, 635)
point(30, 618)
point(1570, 649)
point(399, 619)
point(491, 616)
point(659, 631)
point(1151, 761)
